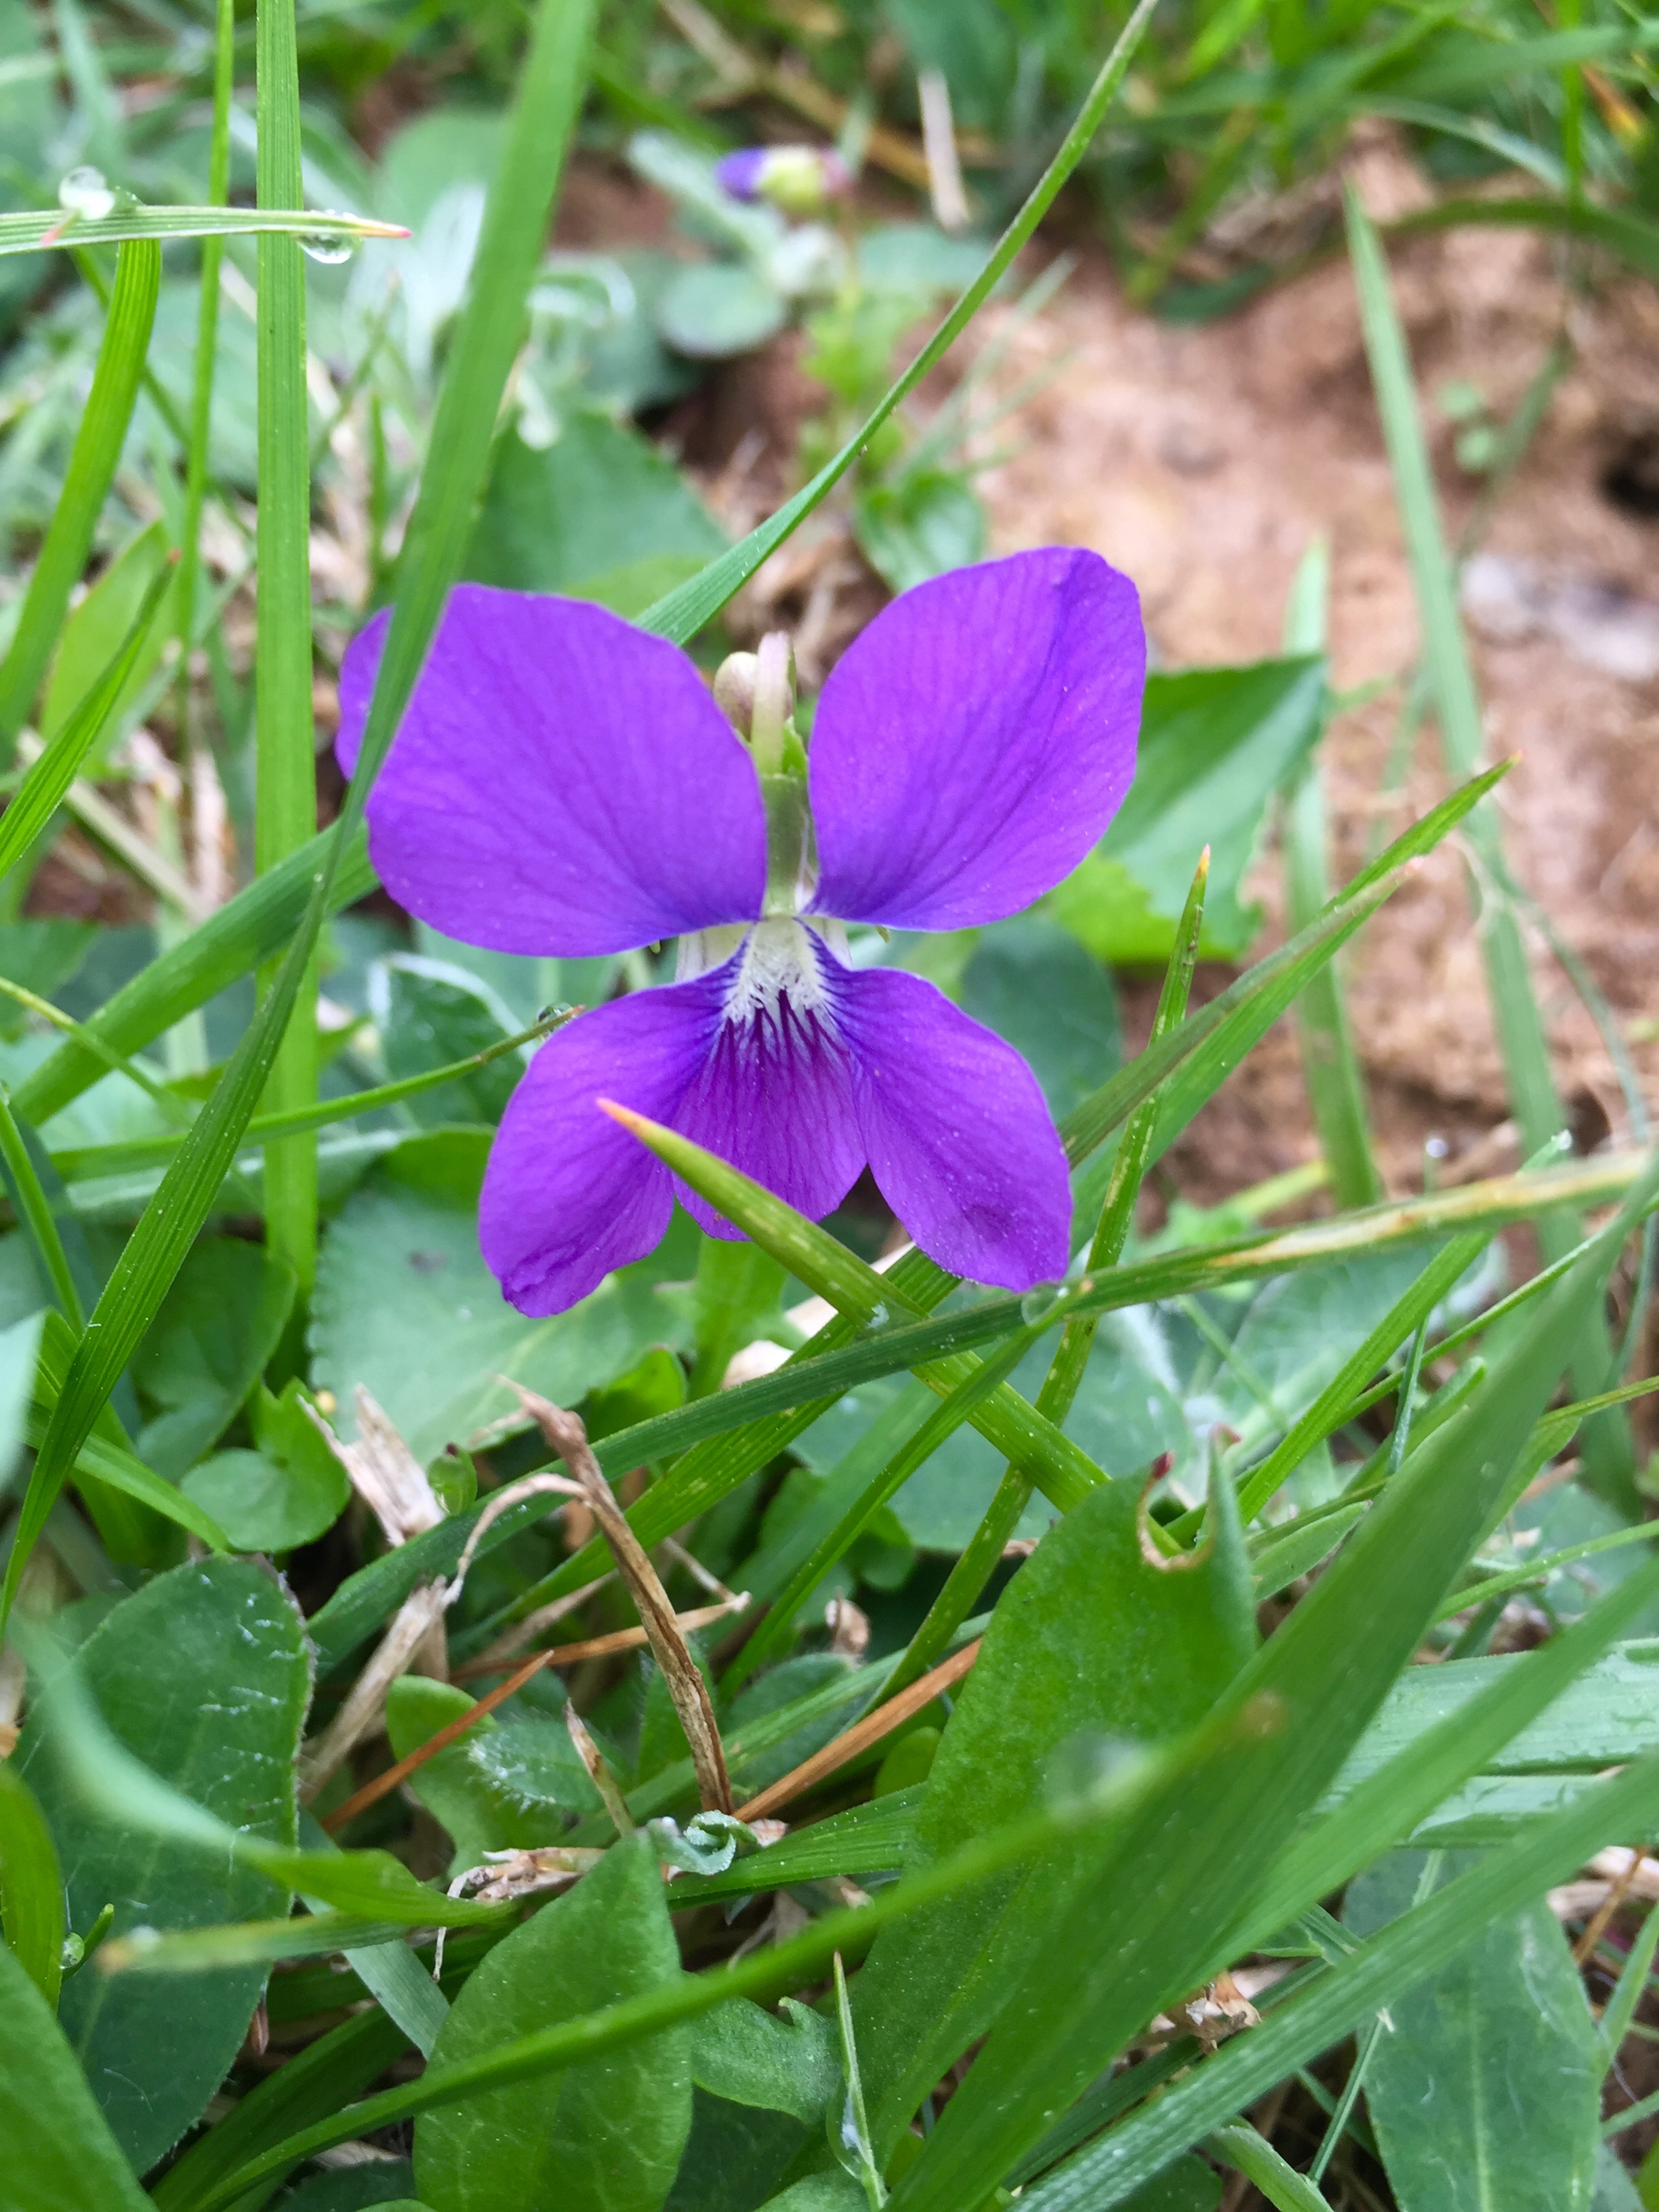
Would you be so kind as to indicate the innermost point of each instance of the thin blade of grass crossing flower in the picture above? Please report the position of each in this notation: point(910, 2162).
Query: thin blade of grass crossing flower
point(285, 815)
point(1064, 1472)
point(973, 1569)
point(684, 613)
point(97, 449)
point(1175, 1882)
point(483, 349)
point(43, 788)
point(1609, 1449)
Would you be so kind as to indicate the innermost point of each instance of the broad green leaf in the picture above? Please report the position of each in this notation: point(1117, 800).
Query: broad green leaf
point(479, 1815)
point(406, 1306)
point(60, 2152)
point(1037, 988)
point(429, 1014)
point(218, 1325)
point(1483, 2089)
point(599, 500)
point(285, 1492)
point(734, 2155)
point(820, 2192)
point(601, 2138)
point(31, 1886)
point(921, 526)
point(712, 309)
point(263, 1505)
point(98, 442)
point(1088, 1641)
point(1215, 745)
point(204, 1674)
point(748, 2055)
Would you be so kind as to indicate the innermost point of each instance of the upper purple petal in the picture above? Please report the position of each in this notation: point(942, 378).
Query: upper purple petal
point(561, 782)
point(956, 1131)
point(569, 1194)
point(972, 744)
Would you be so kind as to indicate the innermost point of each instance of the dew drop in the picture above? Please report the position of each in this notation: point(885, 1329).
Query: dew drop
point(331, 252)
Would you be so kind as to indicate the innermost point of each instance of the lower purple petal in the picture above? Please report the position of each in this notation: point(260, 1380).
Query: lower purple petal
point(774, 1100)
point(956, 1131)
point(569, 1194)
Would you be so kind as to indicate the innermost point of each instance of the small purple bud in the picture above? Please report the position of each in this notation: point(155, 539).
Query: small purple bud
point(740, 173)
point(798, 180)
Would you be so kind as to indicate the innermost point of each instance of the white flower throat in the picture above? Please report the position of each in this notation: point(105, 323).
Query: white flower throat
point(778, 962)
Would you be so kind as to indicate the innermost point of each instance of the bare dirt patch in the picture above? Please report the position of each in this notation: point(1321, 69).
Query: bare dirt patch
point(1204, 461)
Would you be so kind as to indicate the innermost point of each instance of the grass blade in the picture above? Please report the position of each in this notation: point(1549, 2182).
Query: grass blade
point(1409, 1950)
point(43, 789)
point(34, 233)
point(285, 813)
point(97, 449)
point(1330, 1066)
point(1609, 1450)
point(242, 935)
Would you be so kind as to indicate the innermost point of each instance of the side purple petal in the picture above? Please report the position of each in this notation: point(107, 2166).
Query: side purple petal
point(561, 782)
point(774, 1099)
point(568, 1194)
point(955, 1131)
point(974, 743)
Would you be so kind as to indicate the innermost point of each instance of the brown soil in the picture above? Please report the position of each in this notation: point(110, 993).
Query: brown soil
point(1203, 461)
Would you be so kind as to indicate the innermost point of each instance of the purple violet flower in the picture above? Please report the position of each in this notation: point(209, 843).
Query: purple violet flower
point(563, 783)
